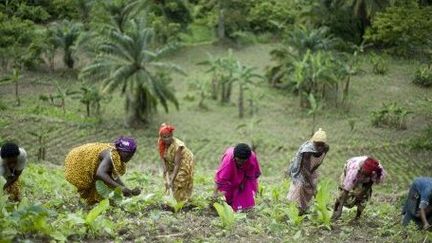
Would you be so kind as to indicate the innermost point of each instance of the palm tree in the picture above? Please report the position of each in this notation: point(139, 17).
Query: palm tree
point(120, 11)
point(65, 35)
point(365, 10)
point(303, 38)
point(127, 62)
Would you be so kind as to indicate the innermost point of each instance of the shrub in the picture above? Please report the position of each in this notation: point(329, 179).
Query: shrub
point(390, 115)
point(379, 65)
point(271, 16)
point(424, 142)
point(423, 76)
point(15, 31)
point(404, 30)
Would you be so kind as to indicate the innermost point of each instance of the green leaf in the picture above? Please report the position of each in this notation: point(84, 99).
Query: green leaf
point(96, 211)
point(102, 189)
point(226, 214)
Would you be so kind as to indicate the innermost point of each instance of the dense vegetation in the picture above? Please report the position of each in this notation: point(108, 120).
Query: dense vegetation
point(267, 72)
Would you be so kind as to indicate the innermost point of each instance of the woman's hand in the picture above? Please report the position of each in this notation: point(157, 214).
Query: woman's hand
point(427, 226)
point(136, 191)
point(127, 192)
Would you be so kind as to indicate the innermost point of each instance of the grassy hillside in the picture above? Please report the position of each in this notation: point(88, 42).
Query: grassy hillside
point(282, 127)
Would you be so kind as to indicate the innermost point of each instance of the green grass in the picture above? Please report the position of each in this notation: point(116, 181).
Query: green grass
point(283, 127)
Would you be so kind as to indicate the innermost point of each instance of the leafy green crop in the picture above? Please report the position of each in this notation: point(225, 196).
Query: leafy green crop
point(322, 215)
point(227, 215)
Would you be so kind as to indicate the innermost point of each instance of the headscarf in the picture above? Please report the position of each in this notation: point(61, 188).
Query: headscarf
point(371, 165)
point(164, 129)
point(294, 169)
point(319, 136)
point(125, 144)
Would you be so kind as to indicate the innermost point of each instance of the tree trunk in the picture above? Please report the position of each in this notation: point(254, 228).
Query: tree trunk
point(214, 88)
point(240, 101)
point(17, 94)
point(68, 60)
point(222, 90)
point(40, 152)
point(88, 109)
point(221, 23)
point(228, 92)
point(251, 107)
point(63, 105)
point(201, 101)
point(346, 89)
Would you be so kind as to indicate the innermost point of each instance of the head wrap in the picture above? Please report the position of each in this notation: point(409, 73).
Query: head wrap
point(164, 129)
point(125, 144)
point(319, 136)
point(9, 150)
point(242, 151)
point(371, 165)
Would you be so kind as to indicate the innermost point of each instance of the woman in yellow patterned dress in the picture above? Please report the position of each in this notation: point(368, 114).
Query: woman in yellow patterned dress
point(86, 164)
point(177, 162)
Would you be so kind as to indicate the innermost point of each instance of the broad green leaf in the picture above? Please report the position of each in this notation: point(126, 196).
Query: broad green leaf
point(96, 211)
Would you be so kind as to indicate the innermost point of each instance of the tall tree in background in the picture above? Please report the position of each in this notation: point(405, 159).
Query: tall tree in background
point(366, 9)
point(66, 35)
point(127, 62)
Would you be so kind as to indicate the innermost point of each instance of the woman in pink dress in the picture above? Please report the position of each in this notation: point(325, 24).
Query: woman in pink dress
point(237, 177)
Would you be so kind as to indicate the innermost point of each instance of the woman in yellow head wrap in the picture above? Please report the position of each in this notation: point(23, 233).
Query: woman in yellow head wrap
point(303, 170)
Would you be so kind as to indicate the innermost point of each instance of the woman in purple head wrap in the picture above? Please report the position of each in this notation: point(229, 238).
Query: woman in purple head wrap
point(86, 164)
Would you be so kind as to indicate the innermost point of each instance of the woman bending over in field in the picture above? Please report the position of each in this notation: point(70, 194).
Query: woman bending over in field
point(237, 177)
point(418, 205)
point(303, 170)
point(177, 162)
point(86, 164)
point(359, 174)
point(13, 159)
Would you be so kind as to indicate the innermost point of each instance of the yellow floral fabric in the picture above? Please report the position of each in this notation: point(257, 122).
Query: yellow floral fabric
point(183, 183)
point(82, 163)
point(13, 191)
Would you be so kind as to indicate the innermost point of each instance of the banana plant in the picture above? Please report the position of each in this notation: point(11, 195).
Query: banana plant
point(60, 97)
point(14, 77)
point(91, 97)
point(41, 136)
point(244, 78)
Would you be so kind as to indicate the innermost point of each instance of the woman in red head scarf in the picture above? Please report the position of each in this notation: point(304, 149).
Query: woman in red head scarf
point(177, 162)
point(360, 173)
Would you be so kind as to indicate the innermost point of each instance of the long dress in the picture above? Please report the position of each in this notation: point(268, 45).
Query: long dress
point(82, 163)
point(183, 183)
point(239, 184)
point(13, 190)
point(358, 193)
point(300, 191)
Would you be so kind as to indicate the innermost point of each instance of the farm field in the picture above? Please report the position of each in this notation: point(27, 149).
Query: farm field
point(277, 128)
